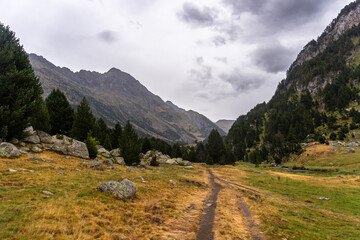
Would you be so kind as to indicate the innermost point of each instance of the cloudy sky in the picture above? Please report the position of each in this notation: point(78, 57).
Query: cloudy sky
point(218, 57)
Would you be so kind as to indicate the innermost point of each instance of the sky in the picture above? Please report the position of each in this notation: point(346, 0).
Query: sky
point(217, 57)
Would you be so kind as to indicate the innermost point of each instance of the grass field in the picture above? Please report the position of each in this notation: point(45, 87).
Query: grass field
point(306, 205)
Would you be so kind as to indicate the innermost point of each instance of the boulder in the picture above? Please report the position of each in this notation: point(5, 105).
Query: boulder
point(350, 150)
point(44, 137)
point(34, 139)
point(69, 146)
point(186, 163)
point(36, 149)
point(121, 190)
point(14, 141)
point(96, 164)
point(29, 130)
point(8, 150)
point(171, 161)
point(115, 152)
point(109, 163)
point(119, 160)
point(104, 154)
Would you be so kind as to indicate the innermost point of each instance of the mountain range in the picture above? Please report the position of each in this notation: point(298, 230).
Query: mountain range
point(117, 96)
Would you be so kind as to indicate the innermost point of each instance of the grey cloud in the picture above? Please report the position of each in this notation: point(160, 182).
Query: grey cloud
point(219, 41)
point(222, 59)
point(242, 82)
point(279, 14)
point(197, 17)
point(273, 57)
point(108, 36)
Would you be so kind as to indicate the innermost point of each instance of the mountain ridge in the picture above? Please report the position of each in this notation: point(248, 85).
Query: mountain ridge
point(117, 96)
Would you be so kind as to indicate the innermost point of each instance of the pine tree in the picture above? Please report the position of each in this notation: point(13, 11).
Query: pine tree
point(215, 146)
point(146, 145)
point(60, 111)
point(107, 143)
point(84, 121)
point(20, 89)
point(130, 145)
point(41, 118)
point(116, 135)
point(200, 153)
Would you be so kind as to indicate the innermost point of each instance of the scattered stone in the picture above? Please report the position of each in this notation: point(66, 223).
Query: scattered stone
point(36, 149)
point(69, 146)
point(96, 164)
point(8, 150)
point(350, 150)
point(47, 193)
point(186, 163)
point(82, 160)
point(341, 143)
point(24, 149)
point(67, 157)
point(115, 152)
point(29, 130)
point(77, 169)
point(189, 167)
point(173, 182)
point(14, 141)
point(121, 190)
point(12, 170)
point(50, 161)
point(56, 168)
point(107, 155)
point(34, 139)
point(35, 158)
point(331, 164)
point(44, 137)
point(171, 161)
point(155, 220)
point(22, 144)
point(142, 179)
point(129, 169)
point(119, 160)
point(61, 173)
point(324, 198)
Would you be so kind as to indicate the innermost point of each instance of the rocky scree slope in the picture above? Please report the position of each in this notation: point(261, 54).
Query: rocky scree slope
point(117, 96)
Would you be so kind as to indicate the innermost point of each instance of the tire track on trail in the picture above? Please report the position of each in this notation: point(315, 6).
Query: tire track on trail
point(207, 219)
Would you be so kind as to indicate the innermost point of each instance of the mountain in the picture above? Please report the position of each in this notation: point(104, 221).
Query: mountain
point(225, 125)
point(318, 100)
point(117, 96)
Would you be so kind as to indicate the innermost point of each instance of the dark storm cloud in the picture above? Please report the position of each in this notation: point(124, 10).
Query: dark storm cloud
point(279, 14)
point(242, 82)
point(197, 17)
point(108, 36)
point(273, 57)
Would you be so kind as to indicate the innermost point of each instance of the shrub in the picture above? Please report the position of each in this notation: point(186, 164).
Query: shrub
point(59, 136)
point(91, 146)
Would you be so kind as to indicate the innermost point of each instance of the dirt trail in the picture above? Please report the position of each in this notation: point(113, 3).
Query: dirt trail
point(207, 220)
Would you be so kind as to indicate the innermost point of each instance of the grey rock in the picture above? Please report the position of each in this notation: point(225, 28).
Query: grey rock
point(173, 182)
point(8, 150)
point(341, 144)
point(14, 141)
point(29, 130)
point(120, 160)
point(104, 154)
point(22, 144)
point(12, 170)
point(24, 149)
point(35, 158)
point(67, 157)
point(109, 163)
point(186, 163)
point(331, 164)
point(36, 149)
point(129, 169)
point(324, 198)
point(115, 152)
point(47, 193)
point(121, 190)
point(142, 179)
point(171, 161)
point(34, 139)
point(44, 137)
point(96, 164)
point(189, 167)
point(62, 173)
point(69, 146)
point(56, 168)
point(350, 150)
point(155, 220)
point(50, 161)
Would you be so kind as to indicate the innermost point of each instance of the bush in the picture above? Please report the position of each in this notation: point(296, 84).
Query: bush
point(341, 135)
point(333, 136)
point(59, 136)
point(91, 146)
point(153, 162)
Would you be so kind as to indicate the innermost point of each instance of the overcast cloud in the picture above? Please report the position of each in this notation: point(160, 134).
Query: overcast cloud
point(217, 57)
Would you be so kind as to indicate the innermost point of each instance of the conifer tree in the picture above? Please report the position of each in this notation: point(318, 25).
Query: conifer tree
point(60, 111)
point(146, 145)
point(41, 119)
point(20, 89)
point(215, 146)
point(84, 121)
point(130, 145)
point(115, 135)
point(107, 143)
point(101, 130)
point(200, 153)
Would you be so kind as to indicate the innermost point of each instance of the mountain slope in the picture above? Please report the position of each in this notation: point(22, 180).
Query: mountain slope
point(225, 125)
point(313, 102)
point(117, 96)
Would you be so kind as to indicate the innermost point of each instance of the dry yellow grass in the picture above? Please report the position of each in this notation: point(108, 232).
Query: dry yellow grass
point(78, 211)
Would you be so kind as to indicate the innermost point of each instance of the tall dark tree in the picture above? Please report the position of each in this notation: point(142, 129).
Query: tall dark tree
point(101, 130)
point(200, 153)
point(60, 111)
point(130, 145)
point(215, 146)
point(84, 121)
point(41, 118)
point(146, 145)
point(115, 135)
point(20, 89)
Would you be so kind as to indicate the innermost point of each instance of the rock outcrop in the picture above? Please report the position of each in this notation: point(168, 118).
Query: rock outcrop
point(8, 150)
point(69, 146)
point(162, 159)
point(121, 190)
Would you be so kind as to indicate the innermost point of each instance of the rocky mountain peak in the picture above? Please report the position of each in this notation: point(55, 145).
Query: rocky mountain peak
point(348, 17)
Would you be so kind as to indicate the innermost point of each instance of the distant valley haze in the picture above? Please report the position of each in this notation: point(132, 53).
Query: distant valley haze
point(218, 57)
